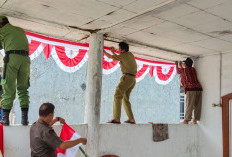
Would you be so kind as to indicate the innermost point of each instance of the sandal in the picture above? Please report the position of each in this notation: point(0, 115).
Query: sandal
point(128, 121)
point(114, 122)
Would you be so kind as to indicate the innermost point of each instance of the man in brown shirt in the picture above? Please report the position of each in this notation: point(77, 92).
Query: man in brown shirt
point(43, 139)
point(127, 82)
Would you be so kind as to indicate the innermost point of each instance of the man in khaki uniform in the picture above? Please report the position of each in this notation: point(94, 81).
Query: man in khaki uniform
point(127, 83)
point(16, 69)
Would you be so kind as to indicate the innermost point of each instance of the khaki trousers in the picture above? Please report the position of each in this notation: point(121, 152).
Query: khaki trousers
point(122, 94)
point(193, 104)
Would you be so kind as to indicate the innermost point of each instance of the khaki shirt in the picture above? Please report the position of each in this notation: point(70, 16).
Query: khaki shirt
point(13, 38)
point(43, 140)
point(127, 62)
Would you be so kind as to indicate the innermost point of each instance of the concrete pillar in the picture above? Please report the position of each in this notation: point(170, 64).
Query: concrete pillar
point(93, 95)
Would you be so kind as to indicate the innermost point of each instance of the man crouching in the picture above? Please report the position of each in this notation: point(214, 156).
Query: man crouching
point(43, 139)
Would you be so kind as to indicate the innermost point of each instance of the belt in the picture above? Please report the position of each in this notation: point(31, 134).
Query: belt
point(19, 52)
point(129, 74)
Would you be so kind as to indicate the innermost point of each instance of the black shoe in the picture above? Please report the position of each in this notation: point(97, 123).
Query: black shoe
point(24, 119)
point(5, 118)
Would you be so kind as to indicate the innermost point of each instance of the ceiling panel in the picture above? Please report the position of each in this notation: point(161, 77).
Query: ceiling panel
point(122, 31)
point(195, 20)
point(223, 10)
point(151, 39)
point(2, 2)
point(142, 22)
point(143, 5)
point(204, 4)
point(109, 19)
point(226, 37)
point(214, 44)
point(175, 12)
point(49, 29)
point(193, 50)
point(164, 27)
point(205, 23)
point(185, 35)
point(56, 11)
point(118, 3)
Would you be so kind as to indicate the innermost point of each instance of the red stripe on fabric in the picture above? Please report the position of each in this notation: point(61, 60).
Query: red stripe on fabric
point(151, 71)
point(66, 134)
point(1, 140)
point(33, 46)
point(60, 51)
point(55, 40)
point(47, 50)
point(164, 77)
point(156, 62)
point(108, 65)
point(141, 71)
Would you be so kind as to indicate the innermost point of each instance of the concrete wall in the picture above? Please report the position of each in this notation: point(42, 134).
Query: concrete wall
point(211, 78)
point(67, 91)
point(17, 139)
point(124, 140)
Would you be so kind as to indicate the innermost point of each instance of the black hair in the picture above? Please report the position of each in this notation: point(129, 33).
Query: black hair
point(5, 20)
point(124, 46)
point(45, 109)
point(189, 62)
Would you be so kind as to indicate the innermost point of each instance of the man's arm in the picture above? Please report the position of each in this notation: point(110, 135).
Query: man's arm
point(177, 67)
point(61, 120)
point(72, 143)
point(107, 54)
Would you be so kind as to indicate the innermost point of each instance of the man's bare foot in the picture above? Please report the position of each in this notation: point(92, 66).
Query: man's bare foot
point(184, 122)
point(193, 122)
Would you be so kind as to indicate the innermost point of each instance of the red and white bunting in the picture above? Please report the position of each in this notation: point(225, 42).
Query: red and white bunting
point(71, 56)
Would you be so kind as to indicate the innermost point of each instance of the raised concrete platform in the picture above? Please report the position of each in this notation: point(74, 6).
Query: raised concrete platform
point(124, 140)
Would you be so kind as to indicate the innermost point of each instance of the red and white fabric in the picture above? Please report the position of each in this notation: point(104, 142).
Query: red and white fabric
point(67, 133)
point(1, 141)
point(71, 56)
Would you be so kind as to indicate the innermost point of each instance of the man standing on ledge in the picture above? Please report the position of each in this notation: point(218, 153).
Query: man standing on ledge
point(16, 70)
point(127, 82)
point(193, 91)
point(43, 139)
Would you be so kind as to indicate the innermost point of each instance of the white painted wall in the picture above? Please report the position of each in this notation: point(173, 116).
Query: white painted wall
point(124, 140)
point(136, 141)
point(17, 139)
point(210, 126)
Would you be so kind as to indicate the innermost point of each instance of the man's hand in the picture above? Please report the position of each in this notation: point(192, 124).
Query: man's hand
point(83, 141)
point(112, 49)
point(61, 120)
